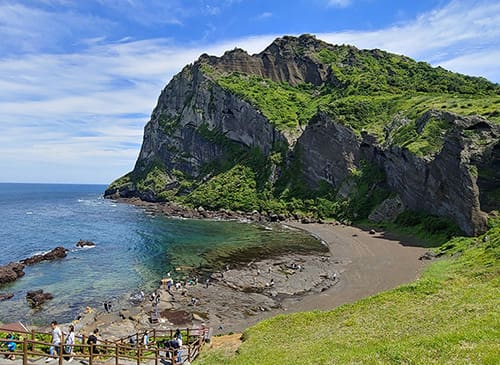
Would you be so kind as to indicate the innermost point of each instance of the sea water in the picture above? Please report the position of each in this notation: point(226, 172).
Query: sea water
point(134, 248)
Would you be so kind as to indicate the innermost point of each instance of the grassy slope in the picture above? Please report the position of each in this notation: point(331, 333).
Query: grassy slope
point(449, 316)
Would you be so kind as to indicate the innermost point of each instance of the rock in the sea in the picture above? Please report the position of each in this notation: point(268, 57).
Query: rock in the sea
point(11, 272)
point(36, 298)
point(56, 253)
point(84, 243)
point(5, 296)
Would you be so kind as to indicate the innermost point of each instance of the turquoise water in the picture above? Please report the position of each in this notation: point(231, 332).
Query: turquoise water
point(134, 249)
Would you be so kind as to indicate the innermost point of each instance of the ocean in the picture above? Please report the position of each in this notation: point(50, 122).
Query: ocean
point(134, 248)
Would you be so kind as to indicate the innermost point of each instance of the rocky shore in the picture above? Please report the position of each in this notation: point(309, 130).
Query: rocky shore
point(358, 264)
point(15, 270)
point(227, 302)
point(171, 209)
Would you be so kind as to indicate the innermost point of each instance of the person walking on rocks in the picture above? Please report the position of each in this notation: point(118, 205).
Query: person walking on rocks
point(56, 341)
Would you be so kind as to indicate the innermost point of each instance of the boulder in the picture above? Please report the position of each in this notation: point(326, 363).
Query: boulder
point(5, 296)
point(84, 243)
point(388, 210)
point(36, 298)
point(11, 272)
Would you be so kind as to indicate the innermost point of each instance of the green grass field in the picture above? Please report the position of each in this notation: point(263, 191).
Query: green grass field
point(449, 316)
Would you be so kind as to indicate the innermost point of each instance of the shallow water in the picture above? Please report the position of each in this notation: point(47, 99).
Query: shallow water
point(134, 249)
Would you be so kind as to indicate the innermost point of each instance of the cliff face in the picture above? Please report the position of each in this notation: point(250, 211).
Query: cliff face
point(194, 119)
point(446, 183)
point(279, 62)
point(201, 128)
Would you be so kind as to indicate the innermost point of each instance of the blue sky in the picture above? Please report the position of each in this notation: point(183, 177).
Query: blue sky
point(79, 78)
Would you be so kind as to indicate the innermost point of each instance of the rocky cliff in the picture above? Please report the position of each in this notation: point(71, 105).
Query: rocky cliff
point(304, 118)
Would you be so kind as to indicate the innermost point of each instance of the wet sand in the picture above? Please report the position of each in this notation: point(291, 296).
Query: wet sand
point(358, 265)
point(370, 264)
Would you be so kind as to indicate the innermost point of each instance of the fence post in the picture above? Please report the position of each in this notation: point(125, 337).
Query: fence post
point(61, 349)
point(25, 350)
point(32, 338)
point(139, 354)
point(90, 355)
point(116, 353)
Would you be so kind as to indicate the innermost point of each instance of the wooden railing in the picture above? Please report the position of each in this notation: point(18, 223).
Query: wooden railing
point(33, 345)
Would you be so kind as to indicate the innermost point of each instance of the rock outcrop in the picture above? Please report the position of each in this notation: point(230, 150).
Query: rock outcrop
point(278, 62)
point(54, 254)
point(36, 298)
point(444, 184)
point(14, 270)
point(84, 243)
point(11, 272)
point(6, 296)
point(328, 151)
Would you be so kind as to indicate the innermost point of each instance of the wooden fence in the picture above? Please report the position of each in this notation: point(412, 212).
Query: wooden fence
point(34, 345)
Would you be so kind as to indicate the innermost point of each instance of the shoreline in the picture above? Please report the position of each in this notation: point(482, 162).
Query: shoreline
point(358, 265)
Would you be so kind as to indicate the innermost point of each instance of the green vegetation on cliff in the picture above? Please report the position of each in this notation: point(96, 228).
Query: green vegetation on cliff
point(393, 98)
point(366, 90)
point(448, 316)
point(234, 189)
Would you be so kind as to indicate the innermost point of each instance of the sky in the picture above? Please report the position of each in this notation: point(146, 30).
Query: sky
point(80, 78)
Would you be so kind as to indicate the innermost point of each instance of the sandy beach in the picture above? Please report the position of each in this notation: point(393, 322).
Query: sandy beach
point(358, 264)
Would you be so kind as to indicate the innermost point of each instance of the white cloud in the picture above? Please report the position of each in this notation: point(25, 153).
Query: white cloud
point(265, 15)
point(78, 116)
point(74, 109)
point(31, 29)
point(483, 64)
point(437, 37)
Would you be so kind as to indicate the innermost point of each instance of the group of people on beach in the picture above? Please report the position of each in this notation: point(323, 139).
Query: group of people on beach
point(168, 282)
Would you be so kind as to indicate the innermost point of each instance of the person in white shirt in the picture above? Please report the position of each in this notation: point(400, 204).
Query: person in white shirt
point(56, 341)
point(69, 342)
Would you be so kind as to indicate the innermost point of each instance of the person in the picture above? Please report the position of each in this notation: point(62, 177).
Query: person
point(132, 341)
point(11, 347)
point(107, 306)
point(145, 339)
point(178, 338)
point(69, 342)
point(56, 341)
point(178, 335)
point(174, 346)
point(92, 341)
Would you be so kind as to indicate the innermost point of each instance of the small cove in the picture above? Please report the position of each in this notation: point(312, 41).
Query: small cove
point(134, 249)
